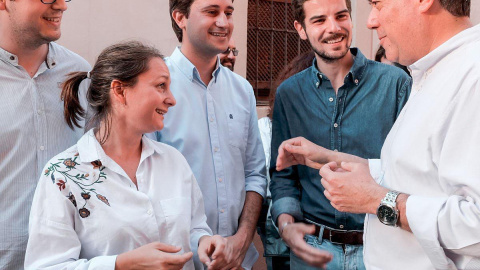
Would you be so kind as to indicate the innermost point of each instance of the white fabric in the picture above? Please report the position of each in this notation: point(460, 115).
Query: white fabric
point(265, 128)
point(433, 153)
point(167, 207)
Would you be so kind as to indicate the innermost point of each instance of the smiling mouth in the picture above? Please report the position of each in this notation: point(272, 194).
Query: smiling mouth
point(52, 19)
point(216, 34)
point(160, 112)
point(336, 40)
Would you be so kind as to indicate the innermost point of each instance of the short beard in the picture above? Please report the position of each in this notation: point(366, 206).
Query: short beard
point(327, 58)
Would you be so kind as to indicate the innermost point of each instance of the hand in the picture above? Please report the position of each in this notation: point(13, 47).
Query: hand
point(301, 151)
point(232, 257)
point(214, 252)
point(153, 256)
point(351, 188)
point(293, 234)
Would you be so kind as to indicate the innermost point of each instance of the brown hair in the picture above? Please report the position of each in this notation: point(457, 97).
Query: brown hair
point(299, 13)
point(299, 63)
point(124, 62)
point(182, 6)
point(458, 8)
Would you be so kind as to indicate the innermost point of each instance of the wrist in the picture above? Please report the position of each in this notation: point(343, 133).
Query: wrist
point(282, 227)
point(120, 262)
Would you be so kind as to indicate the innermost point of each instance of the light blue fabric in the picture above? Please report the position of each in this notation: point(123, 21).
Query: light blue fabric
point(345, 257)
point(32, 131)
point(215, 127)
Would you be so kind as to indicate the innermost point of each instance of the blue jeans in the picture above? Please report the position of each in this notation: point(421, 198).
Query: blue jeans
point(345, 257)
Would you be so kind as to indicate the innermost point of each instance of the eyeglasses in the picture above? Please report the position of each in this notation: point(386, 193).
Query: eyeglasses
point(234, 51)
point(49, 2)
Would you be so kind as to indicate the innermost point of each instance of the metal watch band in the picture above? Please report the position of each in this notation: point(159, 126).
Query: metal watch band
point(391, 196)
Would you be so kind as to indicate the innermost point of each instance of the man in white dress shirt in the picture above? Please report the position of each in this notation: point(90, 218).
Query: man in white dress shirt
point(31, 113)
point(423, 196)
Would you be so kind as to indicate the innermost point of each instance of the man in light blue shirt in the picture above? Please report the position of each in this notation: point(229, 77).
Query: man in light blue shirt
point(214, 125)
point(33, 128)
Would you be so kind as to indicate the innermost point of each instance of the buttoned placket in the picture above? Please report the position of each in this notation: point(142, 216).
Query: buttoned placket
point(217, 159)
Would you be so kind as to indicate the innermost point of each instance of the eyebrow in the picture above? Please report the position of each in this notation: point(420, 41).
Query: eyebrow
point(323, 16)
point(217, 7)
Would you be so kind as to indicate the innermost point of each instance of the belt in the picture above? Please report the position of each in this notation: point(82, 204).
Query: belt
point(340, 236)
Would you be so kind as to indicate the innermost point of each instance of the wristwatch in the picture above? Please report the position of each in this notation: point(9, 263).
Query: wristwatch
point(387, 211)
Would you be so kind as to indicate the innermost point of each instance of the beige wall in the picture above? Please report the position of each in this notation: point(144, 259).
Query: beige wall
point(89, 26)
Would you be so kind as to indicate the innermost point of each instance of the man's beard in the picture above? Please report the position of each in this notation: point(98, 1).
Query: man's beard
point(326, 57)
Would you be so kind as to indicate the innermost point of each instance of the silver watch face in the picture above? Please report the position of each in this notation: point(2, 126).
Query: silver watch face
point(387, 214)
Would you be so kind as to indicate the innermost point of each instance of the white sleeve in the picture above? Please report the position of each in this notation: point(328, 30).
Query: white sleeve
point(375, 166)
point(452, 222)
point(53, 242)
point(199, 225)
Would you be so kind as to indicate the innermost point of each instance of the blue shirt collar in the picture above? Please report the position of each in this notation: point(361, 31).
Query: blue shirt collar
point(187, 67)
point(50, 61)
point(356, 71)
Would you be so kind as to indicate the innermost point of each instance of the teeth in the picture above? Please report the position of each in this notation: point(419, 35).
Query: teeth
point(52, 19)
point(335, 41)
point(160, 112)
point(219, 35)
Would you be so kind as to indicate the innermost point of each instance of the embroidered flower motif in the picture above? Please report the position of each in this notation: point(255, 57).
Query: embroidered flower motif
point(53, 178)
point(72, 199)
point(85, 195)
point(69, 163)
point(103, 199)
point(96, 164)
point(47, 171)
point(61, 184)
point(84, 212)
point(76, 154)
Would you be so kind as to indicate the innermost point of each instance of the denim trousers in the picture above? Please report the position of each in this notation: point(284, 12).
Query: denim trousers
point(345, 257)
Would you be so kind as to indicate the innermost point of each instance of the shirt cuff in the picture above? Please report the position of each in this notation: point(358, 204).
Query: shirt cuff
point(257, 186)
point(422, 215)
point(375, 166)
point(286, 205)
point(103, 262)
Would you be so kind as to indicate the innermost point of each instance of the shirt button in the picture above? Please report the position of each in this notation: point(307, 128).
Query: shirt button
point(53, 64)
point(317, 84)
point(215, 149)
point(330, 99)
point(12, 57)
point(149, 212)
point(335, 150)
point(335, 125)
point(39, 111)
point(211, 119)
point(220, 180)
point(341, 226)
point(222, 211)
point(356, 81)
point(42, 148)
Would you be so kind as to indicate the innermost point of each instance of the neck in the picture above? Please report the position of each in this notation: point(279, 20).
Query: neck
point(30, 57)
point(336, 70)
point(204, 63)
point(122, 142)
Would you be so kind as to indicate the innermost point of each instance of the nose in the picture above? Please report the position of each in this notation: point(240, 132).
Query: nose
point(60, 5)
point(170, 100)
point(372, 21)
point(231, 55)
point(334, 26)
point(222, 20)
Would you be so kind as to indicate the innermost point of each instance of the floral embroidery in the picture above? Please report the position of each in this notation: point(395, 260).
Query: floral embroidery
point(72, 199)
point(103, 199)
point(84, 212)
point(81, 180)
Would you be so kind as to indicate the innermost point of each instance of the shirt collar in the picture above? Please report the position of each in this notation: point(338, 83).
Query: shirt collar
point(424, 65)
point(50, 61)
point(356, 71)
point(188, 68)
point(89, 149)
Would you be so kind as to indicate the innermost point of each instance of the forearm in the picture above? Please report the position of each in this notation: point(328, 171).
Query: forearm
point(340, 157)
point(249, 217)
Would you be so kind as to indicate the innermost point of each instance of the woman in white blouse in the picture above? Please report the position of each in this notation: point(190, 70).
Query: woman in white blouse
point(116, 199)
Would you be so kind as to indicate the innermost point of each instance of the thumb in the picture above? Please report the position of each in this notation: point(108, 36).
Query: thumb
point(347, 166)
point(167, 248)
point(295, 149)
point(309, 229)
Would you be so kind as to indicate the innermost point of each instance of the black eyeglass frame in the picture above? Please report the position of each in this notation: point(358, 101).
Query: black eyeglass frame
point(50, 2)
point(234, 51)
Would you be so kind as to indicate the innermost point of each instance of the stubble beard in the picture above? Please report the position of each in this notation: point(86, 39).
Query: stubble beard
point(326, 57)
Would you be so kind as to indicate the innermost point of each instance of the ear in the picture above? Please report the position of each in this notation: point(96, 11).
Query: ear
point(300, 30)
point(425, 5)
point(179, 18)
point(118, 92)
point(3, 4)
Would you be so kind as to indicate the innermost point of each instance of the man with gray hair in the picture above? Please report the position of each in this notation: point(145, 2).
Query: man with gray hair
point(422, 198)
point(33, 129)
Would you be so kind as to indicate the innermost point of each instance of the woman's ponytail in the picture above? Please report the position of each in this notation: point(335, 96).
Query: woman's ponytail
point(73, 111)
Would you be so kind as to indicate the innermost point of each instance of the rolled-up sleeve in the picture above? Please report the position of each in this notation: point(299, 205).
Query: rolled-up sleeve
point(284, 184)
point(255, 179)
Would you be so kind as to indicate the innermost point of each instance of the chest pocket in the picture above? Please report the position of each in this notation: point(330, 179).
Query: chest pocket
point(237, 128)
point(177, 213)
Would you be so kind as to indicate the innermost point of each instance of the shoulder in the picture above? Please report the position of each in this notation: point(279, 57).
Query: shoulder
point(65, 54)
point(377, 69)
point(296, 82)
point(169, 151)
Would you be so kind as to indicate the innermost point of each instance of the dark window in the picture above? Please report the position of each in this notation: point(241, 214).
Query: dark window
point(272, 43)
